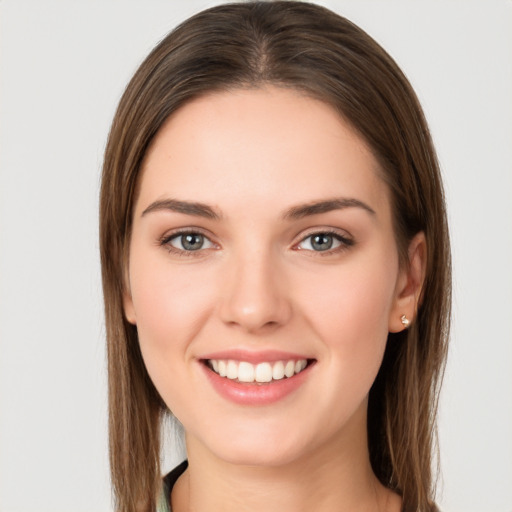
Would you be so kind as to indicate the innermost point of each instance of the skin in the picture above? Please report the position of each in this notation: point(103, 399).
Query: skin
point(257, 284)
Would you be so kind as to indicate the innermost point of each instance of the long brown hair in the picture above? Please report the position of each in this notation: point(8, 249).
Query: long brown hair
point(308, 48)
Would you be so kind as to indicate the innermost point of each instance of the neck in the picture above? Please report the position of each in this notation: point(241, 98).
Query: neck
point(335, 477)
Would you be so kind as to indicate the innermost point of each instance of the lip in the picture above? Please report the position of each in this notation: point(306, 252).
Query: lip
point(265, 356)
point(255, 394)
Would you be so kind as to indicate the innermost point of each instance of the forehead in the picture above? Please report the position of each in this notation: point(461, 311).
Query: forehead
point(271, 144)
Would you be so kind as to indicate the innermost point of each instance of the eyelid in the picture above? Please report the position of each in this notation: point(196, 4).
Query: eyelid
point(346, 240)
point(166, 238)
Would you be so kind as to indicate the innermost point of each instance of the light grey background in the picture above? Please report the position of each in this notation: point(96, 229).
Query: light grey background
point(63, 67)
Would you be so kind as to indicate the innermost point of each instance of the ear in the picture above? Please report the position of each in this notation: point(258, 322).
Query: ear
point(129, 310)
point(128, 307)
point(409, 285)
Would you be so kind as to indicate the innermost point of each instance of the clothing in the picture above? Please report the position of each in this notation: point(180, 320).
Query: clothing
point(164, 503)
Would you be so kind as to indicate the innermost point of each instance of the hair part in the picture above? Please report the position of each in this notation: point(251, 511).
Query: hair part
point(307, 48)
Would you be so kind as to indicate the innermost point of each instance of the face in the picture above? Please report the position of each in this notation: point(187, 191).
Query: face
point(263, 274)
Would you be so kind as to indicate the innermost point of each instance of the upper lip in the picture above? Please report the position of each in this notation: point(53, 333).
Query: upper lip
point(254, 357)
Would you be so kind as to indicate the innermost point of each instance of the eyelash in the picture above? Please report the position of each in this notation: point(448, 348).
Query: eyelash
point(166, 240)
point(345, 242)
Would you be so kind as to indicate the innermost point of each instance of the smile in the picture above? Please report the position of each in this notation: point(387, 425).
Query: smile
point(264, 372)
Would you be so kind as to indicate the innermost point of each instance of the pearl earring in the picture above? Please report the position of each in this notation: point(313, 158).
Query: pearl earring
point(405, 321)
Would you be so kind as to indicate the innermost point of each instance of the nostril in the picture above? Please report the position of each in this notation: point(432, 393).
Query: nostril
point(254, 298)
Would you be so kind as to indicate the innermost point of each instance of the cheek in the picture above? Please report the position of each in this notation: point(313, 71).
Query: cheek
point(170, 305)
point(349, 307)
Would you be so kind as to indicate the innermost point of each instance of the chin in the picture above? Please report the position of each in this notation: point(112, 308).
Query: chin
point(258, 446)
point(246, 454)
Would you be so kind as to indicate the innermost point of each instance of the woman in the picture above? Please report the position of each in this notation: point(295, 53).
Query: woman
point(276, 269)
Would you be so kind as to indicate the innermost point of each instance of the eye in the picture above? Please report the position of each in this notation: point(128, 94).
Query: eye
point(324, 241)
point(188, 242)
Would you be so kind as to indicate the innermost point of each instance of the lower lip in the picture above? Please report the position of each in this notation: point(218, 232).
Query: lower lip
point(253, 393)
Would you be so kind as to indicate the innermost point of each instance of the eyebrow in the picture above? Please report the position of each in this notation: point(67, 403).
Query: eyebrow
point(317, 207)
point(186, 207)
point(294, 213)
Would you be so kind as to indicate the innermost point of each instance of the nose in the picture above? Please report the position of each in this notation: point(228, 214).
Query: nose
point(255, 296)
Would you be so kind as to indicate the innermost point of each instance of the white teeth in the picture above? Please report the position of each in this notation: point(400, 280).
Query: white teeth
point(261, 373)
point(300, 365)
point(289, 369)
point(245, 372)
point(232, 370)
point(278, 370)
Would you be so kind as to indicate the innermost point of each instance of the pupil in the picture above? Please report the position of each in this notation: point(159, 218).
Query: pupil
point(322, 242)
point(192, 242)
